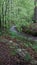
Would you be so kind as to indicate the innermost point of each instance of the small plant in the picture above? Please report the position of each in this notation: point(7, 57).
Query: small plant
point(27, 57)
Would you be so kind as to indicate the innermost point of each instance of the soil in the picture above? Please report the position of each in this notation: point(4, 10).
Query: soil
point(7, 59)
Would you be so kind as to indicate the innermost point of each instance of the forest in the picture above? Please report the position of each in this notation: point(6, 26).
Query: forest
point(18, 32)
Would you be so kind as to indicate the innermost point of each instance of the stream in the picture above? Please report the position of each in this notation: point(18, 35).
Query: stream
point(28, 36)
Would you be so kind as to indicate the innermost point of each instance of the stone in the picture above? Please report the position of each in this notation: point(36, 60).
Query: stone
point(32, 29)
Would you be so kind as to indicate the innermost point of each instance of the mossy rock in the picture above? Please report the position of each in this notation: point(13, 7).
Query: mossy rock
point(32, 29)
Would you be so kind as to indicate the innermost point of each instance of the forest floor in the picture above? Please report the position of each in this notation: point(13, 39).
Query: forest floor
point(15, 52)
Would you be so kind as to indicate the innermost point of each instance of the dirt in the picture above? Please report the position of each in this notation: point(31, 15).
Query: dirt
point(7, 59)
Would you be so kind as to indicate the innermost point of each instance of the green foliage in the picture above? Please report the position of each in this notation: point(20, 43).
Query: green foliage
point(27, 57)
point(18, 11)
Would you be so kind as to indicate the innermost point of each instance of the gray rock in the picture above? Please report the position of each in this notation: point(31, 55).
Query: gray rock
point(21, 52)
point(34, 62)
point(13, 28)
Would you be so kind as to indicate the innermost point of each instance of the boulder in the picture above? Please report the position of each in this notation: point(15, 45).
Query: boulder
point(32, 29)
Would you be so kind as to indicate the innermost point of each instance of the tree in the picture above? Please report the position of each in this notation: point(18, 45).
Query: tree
point(0, 21)
point(35, 11)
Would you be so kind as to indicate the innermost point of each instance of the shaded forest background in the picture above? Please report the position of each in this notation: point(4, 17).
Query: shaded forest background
point(18, 12)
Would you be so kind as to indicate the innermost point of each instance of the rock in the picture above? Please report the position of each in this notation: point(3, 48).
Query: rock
point(34, 62)
point(32, 29)
point(21, 52)
point(13, 28)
